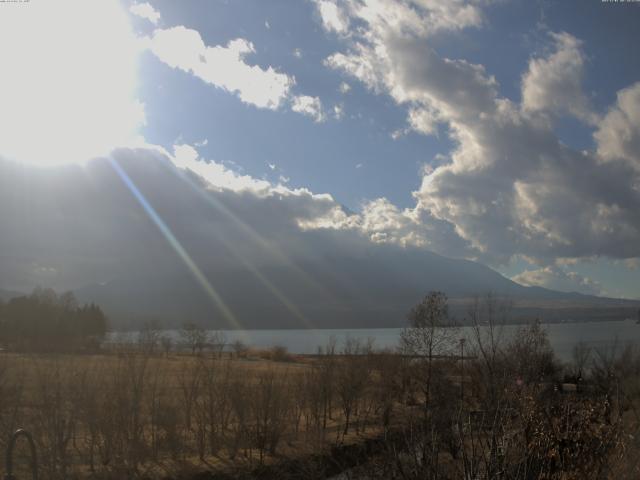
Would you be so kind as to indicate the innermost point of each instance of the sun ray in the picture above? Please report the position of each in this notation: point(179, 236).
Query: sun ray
point(177, 246)
point(257, 238)
point(289, 305)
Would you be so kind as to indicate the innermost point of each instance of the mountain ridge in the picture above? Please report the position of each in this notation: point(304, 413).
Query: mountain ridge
point(375, 297)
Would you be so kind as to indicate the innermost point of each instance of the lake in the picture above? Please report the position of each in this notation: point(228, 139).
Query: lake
point(563, 336)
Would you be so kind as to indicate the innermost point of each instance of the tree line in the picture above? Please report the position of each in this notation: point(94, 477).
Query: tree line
point(46, 321)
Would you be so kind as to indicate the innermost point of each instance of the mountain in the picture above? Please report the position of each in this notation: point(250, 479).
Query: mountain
point(372, 291)
point(146, 240)
point(8, 294)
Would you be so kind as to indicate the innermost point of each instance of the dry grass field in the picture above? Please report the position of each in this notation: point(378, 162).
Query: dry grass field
point(507, 410)
point(128, 413)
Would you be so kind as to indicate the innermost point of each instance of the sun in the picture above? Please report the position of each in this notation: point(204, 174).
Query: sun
point(68, 80)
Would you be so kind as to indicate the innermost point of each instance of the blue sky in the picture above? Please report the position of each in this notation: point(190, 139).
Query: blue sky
point(325, 156)
point(501, 131)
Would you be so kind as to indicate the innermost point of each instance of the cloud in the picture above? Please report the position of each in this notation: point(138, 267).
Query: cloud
point(145, 10)
point(559, 279)
point(412, 73)
point(309, 106)
point(344, 87)
point(217, 175)
point(386, 223)
point(619, 134)
point(422, 17)
point(222, 66)
point(553, 83)
point(509, 186)
point(332, 17)
point(226, 67)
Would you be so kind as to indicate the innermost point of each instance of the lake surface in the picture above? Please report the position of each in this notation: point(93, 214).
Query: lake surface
point(563, 336)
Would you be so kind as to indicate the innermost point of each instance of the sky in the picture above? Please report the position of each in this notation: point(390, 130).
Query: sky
point(505, 132)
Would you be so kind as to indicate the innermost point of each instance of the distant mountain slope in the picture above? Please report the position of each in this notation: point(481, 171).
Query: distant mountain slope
point(338, 292)
point(8, 294)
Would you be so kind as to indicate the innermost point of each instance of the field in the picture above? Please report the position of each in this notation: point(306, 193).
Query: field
point(130, 413)
point(507, 409)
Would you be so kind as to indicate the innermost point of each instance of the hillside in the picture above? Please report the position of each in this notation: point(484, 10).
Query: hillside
point(123, 243)
point(364, 293)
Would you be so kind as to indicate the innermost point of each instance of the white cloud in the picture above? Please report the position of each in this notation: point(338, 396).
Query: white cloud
point(185, 153)
point(422, 17)
point(307, 210)
point(338, 111)
point(383, 222)
point(380, 221)
point(145, 10)
point(559, 279)
point(399, 133)
point(309, 106)
point(216, 174)
point(225, 67)
point(344, 87)
point(553, 83)
point(423, 120)
point(509, 186)
point(332, 17)
point(412, 73)
point(619, 134)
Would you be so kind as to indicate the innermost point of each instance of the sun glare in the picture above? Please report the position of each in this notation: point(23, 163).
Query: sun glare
point(67, 88)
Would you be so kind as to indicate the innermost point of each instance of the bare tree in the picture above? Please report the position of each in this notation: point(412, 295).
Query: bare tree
point(149, 337)
point(431, 333)
point(531, 358)
point(218, 342)
point(240, 348)
point(270, 407)
point(487, 317)
point(195, 337)
point(167, 344)
point(580, 357)
point(56, 417)
point(353, 375)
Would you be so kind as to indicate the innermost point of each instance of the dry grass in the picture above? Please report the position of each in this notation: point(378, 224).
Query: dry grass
point(131, 414)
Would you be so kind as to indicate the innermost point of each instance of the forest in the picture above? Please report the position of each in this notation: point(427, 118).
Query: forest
point(46, 321)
